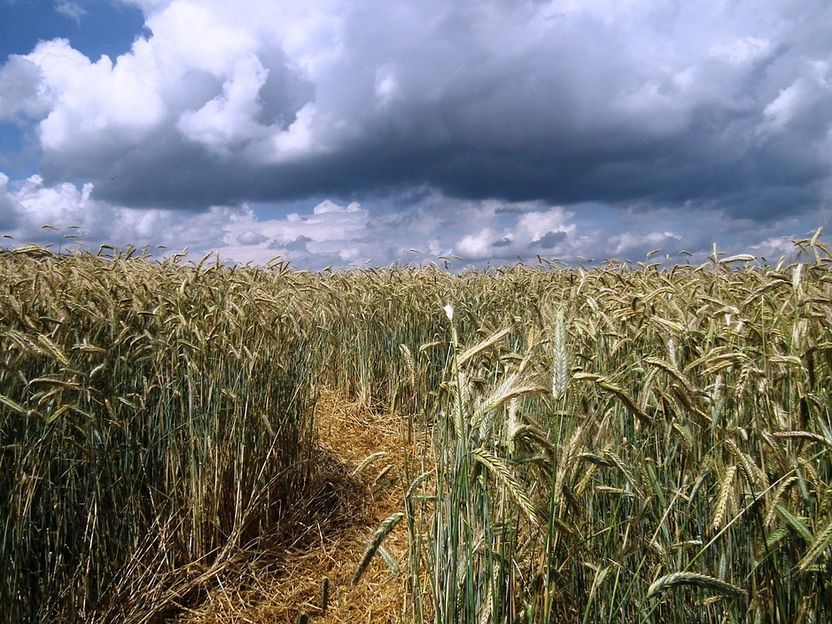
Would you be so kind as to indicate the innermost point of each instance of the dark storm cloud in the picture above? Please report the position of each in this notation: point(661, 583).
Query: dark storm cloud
point(19, 96)
point(8, 215)
point(296, 244)
point(761, 181)
point(549, 240)
point(712, 105)
point(251, 238)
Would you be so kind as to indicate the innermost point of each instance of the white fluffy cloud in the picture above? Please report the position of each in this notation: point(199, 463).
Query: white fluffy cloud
point(72, 10)
point(208, 87)
point(326, 233)
point(32, 204)
point(329, 233)
point(546, 231)
point(629, 242)
point(91, 104)
point(228, 120)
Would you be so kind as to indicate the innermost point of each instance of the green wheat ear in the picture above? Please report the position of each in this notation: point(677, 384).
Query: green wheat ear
point(669, 581)
point(560, 368)
point(374, 544)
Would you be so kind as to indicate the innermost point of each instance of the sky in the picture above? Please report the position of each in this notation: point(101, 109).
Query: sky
point(348, 132)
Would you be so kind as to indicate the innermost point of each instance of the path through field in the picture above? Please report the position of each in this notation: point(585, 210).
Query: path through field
point(333, 529)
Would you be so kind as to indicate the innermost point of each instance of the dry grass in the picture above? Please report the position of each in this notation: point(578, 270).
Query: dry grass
point(335, 535)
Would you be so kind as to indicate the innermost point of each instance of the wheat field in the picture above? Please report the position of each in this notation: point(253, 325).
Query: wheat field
point(623, 443)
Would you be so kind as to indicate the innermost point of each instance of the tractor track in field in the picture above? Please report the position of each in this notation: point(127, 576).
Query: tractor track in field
point(332, 527)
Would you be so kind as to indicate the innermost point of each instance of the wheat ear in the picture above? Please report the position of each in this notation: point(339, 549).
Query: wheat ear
point(690, 578)
point(373, 545)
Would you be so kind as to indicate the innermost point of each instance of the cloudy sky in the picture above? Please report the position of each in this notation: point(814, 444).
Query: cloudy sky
point(345, 131)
